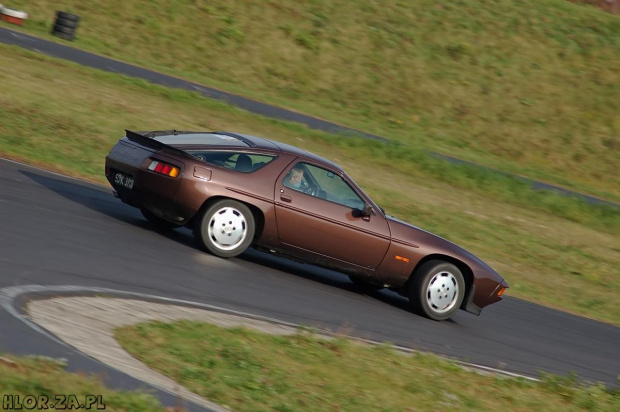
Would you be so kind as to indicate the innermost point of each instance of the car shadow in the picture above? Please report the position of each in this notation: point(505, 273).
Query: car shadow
point(102, 201)
point(321, 275)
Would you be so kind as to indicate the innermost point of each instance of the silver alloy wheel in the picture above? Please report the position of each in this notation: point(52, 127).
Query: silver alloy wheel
point(442, 292)
point(227, 228)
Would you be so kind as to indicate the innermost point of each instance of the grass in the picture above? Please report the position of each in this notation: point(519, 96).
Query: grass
point(526, 87)
point(66, 117)
point(36, 376)
point(251, 371)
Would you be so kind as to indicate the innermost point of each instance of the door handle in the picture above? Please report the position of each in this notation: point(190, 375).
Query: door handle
point(286, 198)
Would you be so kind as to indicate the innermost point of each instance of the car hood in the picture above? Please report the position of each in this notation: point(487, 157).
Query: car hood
point(430, 243)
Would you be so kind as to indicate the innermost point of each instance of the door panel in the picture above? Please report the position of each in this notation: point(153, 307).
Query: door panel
point(320, 226)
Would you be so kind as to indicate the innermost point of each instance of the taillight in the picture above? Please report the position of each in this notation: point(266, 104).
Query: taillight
point(163, 168)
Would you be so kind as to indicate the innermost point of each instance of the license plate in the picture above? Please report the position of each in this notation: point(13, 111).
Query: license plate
point(123, 180)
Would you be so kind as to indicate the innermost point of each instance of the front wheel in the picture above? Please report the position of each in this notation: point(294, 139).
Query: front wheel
point(226, 228)
point(437, 290)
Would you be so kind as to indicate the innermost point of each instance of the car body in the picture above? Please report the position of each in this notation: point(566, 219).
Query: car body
point(238, 191)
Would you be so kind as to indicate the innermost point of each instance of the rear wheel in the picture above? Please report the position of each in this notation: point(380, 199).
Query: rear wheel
point(226, 228)
point(437, 290)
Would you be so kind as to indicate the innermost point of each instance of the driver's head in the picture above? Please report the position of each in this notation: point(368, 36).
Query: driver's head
point(296, 176)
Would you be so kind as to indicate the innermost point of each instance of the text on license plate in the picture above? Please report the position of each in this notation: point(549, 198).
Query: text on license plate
point(123, 180)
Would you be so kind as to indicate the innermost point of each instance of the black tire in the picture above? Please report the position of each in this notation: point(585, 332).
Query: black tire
point(64, 36)
point(157, 221)
point(436, 290)
point(63, 29)
point(226, 228)
point(71, 24)
point(68, 16)
point(363, 285)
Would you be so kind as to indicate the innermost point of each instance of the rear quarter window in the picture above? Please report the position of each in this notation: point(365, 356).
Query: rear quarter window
point(238, 161)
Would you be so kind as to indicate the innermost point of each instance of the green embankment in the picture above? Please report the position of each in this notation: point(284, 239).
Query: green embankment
point(531, 87)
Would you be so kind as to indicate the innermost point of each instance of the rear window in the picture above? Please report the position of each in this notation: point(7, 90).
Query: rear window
point(241, 162)
point(211, 139)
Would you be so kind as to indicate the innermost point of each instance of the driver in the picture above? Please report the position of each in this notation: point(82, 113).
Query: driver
point(294, 179)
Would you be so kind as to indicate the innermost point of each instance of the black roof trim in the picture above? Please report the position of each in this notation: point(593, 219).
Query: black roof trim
point(157, 133)
point(236, 136)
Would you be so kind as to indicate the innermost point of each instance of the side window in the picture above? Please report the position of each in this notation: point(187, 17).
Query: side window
point(322, 183)
point(241, 162)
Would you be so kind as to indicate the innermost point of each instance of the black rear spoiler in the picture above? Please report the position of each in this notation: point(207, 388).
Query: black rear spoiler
point(146, 139)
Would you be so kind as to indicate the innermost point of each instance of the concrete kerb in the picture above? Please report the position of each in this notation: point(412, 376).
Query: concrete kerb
point(89, 323)
point(19, 301)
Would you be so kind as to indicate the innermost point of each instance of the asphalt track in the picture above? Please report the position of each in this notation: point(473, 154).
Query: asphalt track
point(59, 231)
point(103, 63)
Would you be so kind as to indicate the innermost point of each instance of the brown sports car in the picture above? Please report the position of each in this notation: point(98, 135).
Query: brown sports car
point(237, 191)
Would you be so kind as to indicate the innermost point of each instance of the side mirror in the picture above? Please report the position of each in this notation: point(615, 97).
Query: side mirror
point(366, 211)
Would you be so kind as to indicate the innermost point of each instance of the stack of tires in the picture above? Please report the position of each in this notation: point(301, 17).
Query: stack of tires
point(65, 26)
